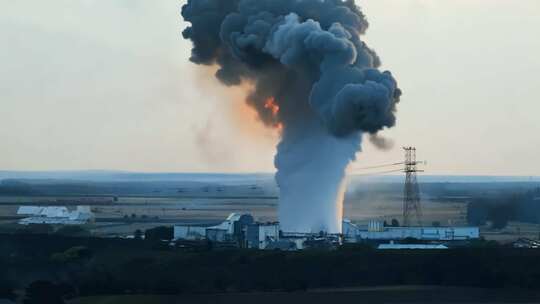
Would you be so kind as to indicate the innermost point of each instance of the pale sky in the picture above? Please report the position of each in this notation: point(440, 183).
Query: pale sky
point(93, 84)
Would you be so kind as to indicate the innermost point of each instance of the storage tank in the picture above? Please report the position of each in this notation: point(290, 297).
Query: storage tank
point(375, 226)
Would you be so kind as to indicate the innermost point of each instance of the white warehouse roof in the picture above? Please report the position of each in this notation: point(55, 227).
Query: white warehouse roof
point(411, 246)
point(55, 215)
point(29, 210)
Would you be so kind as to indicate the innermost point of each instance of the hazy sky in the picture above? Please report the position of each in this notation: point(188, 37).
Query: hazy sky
point(93, 84)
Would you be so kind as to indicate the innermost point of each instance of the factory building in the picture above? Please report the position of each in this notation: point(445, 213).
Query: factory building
point(376, 230)
point(217, 235)
point(242, 229)
point(311, 240)
point(232, 229)
point(55, 215)
point(260, 235)
point(189, 232)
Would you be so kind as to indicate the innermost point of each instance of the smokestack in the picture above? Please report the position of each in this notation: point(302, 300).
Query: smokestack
point(313, 78)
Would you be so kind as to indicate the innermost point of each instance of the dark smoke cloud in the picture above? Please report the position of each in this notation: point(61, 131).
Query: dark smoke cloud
point(268, 42)
point(381, 142)
point(309, 57)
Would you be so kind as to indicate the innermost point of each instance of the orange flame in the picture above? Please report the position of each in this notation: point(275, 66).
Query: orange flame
point(272, 106)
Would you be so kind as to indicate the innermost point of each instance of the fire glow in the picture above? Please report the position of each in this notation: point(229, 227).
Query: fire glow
point(273, 107)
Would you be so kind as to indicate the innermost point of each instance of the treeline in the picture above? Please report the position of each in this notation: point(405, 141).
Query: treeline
point(92, 266)
point(523, 207)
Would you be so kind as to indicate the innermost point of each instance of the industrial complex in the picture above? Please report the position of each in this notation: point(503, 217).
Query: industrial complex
point(248, 233)
point(243, 230)
point(377, 231)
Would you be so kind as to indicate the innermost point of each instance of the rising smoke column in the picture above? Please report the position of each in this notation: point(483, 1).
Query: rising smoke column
point(313, 78)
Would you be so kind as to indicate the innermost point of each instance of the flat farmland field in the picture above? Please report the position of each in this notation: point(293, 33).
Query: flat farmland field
point(125, 214)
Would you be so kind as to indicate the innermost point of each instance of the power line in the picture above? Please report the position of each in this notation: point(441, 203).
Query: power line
point(379, 173)
point(379, 166)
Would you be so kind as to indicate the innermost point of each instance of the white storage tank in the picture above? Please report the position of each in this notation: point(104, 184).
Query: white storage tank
point(375, 226)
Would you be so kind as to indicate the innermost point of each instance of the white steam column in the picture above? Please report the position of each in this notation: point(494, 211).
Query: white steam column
point(312, 186)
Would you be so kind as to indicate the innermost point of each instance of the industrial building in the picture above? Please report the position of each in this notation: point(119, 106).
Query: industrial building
point(234, 228)
point(526, 243)
point(376, 230)
point(55, 215)
point(242, 229)
point(261, 235)
point(189, 232)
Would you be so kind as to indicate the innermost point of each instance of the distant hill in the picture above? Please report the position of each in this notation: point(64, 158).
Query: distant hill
point(234, 178)
point(125, 176)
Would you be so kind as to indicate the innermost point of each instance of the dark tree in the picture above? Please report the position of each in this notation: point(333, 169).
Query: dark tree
point(45, 292)
point(72, 230)
point(395, 223)
point(500, 215)
point(159, 233)
point(477, 212)
point(138, 234)
point(6, 290)
point(76, 253)
point(36, 229)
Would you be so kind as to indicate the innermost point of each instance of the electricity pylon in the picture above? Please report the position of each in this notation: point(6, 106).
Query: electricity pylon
point(411, 192)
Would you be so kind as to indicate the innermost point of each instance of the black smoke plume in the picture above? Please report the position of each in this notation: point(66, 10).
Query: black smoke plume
point(381, 142)
point(307, 57)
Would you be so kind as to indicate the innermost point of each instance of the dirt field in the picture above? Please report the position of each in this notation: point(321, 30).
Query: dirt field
point(148, 212)
point(127, 214)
